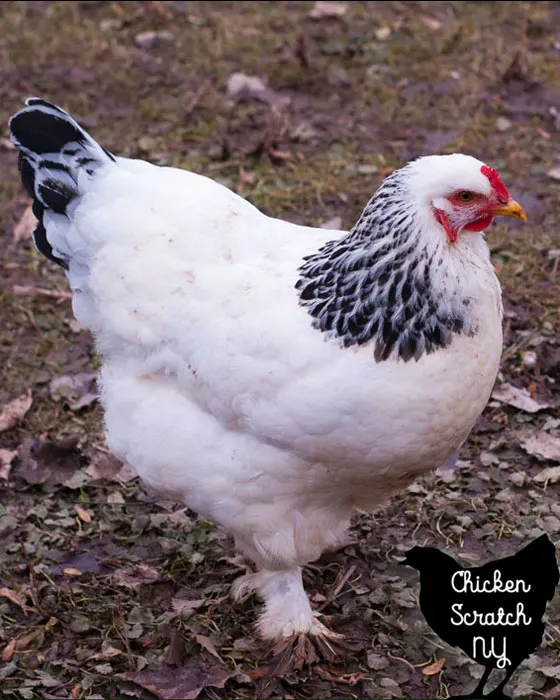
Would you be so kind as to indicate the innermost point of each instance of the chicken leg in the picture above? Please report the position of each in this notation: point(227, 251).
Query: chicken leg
point(287, 619)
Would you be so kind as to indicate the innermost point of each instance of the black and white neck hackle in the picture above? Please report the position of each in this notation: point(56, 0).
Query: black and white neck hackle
point(376, 284)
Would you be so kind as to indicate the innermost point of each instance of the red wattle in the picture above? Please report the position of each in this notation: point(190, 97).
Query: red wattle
point(480, 224)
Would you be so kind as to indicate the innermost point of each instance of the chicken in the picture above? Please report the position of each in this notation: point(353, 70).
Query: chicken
point(274, 377)
point(463, 605)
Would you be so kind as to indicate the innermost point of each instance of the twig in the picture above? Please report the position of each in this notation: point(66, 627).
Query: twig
point(404, 661)
point(28, 290)
point(334, 594)
point(195, 99)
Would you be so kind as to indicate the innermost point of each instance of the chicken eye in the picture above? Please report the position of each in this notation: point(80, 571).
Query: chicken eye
point(465, 196)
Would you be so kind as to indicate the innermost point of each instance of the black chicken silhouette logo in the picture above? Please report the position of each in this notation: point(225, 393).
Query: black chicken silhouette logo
point(493, 612)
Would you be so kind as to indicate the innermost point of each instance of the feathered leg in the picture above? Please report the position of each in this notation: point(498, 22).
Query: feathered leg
point(287, 620)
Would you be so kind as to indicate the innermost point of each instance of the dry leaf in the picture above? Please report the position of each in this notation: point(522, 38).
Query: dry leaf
point(518, 398)
point(207, 644)
point(328, 9)
point(183, 683)
point(83, 514)
point(135, 576)
point(503, 124)
point(430, 22)
point(23, 230)
point(518, 478)
point(149, 39)
point(106, 653)
point(551, 474)
point(73, 572)
point(6, 459)
point(51, 622)
point(176, 648)
point(16, 598)
point(181, 605)
point(126, 473)
point(470, 556)
point(251, 87)
point(35, 637)
point(76, 390)
point(542, 444)
point(50, 461)
point(12, 413)
point(115, 498)
point(434, 668)
point(382, 33)
point(104, 465)
point(8, 651)
point(345, 678)
point(446, 471)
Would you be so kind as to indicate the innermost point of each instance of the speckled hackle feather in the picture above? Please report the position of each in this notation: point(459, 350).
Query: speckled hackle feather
point(375, 283)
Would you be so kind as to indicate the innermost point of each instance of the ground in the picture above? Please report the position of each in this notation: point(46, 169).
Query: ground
point(107, 590)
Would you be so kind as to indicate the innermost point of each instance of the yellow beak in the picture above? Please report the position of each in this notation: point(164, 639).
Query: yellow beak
point(512, 208)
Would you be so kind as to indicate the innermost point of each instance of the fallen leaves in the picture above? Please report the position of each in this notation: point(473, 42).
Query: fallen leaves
point(14, 597)
point(23, 230)
point(430, 22)
point(206, 643)
point(185, 607)
point(434, 668)
point(518, 398)
point(80, 624)
point(185, 683)
point(135, 576)
point(149, 39)
point(8, 651)
point(503, 124)
point(6, 459)
point(84, 516)
point(14, 412)
point(548, 475)
point(328, 9)
point(250, 87)
point(50, 461)
point(543, 445)
point(104, 465)
point(76, 390)
point(350, 679)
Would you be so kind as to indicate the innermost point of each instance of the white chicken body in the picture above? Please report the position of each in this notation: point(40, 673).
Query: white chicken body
point(220, 391)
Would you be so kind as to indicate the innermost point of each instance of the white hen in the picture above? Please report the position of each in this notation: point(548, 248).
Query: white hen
point(274, 377)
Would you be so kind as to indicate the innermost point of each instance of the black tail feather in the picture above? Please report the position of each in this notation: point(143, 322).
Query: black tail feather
point(42, 131)
point(53, 150)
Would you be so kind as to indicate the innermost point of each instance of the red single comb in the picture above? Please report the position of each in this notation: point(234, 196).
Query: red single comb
point(496, 181)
